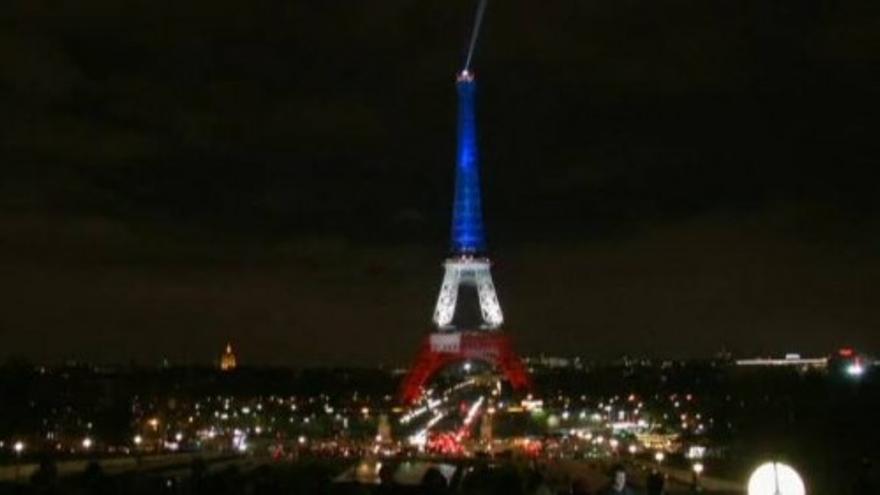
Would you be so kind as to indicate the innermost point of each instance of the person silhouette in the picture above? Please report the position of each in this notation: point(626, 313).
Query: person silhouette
point(618, 482)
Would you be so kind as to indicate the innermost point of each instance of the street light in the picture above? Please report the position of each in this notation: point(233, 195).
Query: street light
point(87, 443)
point(18, 447)
point(698, 470)
point(659, 456)
point(776, 478)
point(138, 440)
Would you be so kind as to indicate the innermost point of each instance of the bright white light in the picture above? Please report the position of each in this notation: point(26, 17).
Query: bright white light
point(87, 443)
point(302, 439)
point(138, 439)
point(774, 478)
point(18, 447)
point(855, 369)
point(420, 438)
point(633, 449)
point(467, 367)
point(696, 452)
point(178, 436)
point(698, 467)
point(406, 418)
point(472, 412)
point(659, 456)
point(239, 440)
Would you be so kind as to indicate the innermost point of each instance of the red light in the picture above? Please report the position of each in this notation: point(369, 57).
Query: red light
point(846, 352)
point(445, 444)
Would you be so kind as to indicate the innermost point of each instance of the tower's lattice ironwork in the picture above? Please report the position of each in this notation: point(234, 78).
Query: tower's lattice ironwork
point(458, 335)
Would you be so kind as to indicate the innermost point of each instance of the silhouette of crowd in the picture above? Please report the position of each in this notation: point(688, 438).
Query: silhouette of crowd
point(317, 478)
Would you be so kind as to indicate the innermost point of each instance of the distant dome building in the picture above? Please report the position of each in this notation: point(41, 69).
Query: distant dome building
point(228, 362)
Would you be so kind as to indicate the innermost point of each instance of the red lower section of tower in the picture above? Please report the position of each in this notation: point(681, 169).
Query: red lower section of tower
point(440, 349)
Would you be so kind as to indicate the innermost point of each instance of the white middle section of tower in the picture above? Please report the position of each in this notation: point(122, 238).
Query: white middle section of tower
point(473, 272)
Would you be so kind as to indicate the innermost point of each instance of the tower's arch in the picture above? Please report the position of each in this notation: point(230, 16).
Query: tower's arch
point(442, 349)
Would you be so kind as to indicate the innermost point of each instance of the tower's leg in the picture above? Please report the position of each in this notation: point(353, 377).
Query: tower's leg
point(489, 306)
point(445, 308)
point(427, 363)
point(513, 367)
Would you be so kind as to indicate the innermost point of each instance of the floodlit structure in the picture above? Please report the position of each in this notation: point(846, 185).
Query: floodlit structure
point(467, 316)
point(228, 361)
point(790, 360)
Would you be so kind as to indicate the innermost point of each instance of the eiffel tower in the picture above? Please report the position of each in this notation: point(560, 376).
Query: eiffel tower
point(467, 316)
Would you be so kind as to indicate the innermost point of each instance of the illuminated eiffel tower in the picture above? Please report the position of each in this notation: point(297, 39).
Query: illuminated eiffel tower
point(467, 315)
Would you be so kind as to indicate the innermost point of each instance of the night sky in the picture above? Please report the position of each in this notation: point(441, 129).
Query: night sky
point(661, 178)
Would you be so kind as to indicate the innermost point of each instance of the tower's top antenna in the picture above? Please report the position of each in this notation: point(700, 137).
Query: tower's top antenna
point(478, 21)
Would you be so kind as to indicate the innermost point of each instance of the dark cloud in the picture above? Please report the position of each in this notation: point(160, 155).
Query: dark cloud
point(663, 177)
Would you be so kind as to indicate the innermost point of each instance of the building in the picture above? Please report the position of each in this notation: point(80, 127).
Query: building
point(790, 360)
point(228, 362)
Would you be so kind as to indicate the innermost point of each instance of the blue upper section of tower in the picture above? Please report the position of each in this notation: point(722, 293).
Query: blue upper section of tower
point(468, 236)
